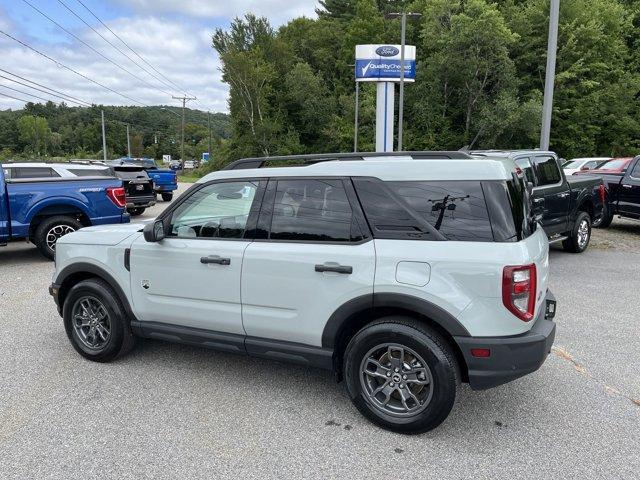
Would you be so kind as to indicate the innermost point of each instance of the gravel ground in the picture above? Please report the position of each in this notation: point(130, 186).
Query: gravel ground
point(171, 411)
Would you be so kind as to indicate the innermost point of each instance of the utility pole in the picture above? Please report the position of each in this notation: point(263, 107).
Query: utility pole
point(209, 119)
point(552, 47)
point(128, 143)
point(184, 99)
point(104, 139)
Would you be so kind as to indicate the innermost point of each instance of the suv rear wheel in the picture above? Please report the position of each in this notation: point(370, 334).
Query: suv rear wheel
point(401, 375)
point(96, 322)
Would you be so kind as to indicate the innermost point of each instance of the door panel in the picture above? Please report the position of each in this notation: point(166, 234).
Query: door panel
point(285, 298)
point(553, 194)
point(192, 277)
point(629, 192)
point(4, 209)
point(170, 284)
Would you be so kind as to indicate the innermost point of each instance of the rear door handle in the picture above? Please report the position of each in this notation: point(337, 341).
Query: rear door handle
point(627, 186)
point(217, 259)
point(335, 267)
point(563, 195)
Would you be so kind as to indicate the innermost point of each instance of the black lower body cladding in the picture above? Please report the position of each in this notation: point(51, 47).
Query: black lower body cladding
point(511, 357)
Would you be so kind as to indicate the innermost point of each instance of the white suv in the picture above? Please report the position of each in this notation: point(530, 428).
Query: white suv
point(405, 274)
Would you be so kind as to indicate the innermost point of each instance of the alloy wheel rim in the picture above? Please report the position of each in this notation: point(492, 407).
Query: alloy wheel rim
point(55, 233)
point(396, 380)
point(91, 322)
point(583, 233)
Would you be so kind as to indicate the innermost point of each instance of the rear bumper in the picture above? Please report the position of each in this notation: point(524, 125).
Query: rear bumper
point(165, 188)
point(511, 357)
point(141, 201)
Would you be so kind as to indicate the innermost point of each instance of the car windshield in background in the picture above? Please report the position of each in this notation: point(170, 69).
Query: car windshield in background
point(573, 164)
point(613, 165)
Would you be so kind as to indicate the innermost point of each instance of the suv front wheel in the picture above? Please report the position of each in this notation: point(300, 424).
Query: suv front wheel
point(401, 375)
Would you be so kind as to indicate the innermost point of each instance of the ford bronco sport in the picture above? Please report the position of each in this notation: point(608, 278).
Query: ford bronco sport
point(405, 274)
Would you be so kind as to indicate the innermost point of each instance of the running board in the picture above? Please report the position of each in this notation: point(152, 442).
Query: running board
point(558, 239)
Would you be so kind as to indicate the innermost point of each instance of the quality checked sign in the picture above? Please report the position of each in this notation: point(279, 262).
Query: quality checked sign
point(381, 63)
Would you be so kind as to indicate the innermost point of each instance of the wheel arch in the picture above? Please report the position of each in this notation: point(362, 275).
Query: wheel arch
point(352, 316)
point(73, 274)
point(44, 210)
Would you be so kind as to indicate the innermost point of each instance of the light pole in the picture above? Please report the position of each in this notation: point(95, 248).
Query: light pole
point(550, 74)
point(403, 29)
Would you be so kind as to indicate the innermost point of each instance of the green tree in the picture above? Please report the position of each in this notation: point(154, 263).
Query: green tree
point(34, 133)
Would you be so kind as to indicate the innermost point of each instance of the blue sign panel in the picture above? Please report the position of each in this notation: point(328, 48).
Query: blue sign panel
point(381, 69)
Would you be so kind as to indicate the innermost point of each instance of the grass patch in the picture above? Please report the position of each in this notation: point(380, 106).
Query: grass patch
point(190, 178)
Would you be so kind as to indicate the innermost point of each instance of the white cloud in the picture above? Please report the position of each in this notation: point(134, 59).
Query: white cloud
point(278, 11)
point(180, 50)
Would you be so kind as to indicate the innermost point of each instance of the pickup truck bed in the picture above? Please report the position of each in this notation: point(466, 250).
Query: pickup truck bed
point(42, 210)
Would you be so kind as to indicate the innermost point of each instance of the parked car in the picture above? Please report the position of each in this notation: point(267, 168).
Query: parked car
point(44, 207)
point(622, 180)
point(175, 165)
point(583, 164)
point(567, 206)
point(189, 164)
point(165, 181)
point(24, 170)
point(404, 275)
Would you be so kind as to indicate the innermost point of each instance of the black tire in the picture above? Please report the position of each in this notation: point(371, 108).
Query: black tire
point(135, 211)
point(120, 339)
point(52, 228)
point(433, 406)
point(603, 221)
point(167, 197)
point(576, 243)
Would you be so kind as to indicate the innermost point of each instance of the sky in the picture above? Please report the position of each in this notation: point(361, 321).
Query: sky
point(172, 36)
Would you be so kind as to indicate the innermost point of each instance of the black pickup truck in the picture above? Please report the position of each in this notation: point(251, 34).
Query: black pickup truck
point(138, 187)
point(566, 206)
point(623, 193)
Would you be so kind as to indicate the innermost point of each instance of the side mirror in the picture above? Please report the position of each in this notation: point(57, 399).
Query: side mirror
point(154, 232)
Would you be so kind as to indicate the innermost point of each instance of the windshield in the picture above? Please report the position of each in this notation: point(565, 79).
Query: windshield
point(573, 164)
point(614, 164)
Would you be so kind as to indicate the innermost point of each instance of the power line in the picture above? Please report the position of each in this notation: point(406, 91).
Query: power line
point(132, 50)
point(43, 86)
point(93, 49)
point(71, 69)
point(27, 93)
point(114, 46)
point(44, 91)
point(15, 98)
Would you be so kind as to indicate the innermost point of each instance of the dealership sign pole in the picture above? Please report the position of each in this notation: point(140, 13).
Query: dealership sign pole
point(383, 64)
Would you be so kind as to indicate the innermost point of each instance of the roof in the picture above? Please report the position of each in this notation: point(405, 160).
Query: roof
point(400, 167)
point(56, 165)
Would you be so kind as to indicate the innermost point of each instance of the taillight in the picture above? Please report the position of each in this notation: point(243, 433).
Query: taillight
point(519, 290)
point(117, 195)
point(603, 193)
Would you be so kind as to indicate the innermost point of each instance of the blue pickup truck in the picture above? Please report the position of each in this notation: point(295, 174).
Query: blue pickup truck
point(42, 210)
point(165, 181)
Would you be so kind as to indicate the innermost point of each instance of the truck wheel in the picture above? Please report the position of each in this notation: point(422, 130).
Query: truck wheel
point(50, 230)
point(134, 212)
point(96, 322)
point(167, 197)
point(401, 375)
point(603, 221)
point(580, 235)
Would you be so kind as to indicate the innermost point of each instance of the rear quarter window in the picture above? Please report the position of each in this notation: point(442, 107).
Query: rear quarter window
point(457, 209)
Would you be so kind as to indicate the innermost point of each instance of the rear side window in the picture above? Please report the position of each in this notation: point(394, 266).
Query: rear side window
point(548, 171)
point(456, 209)
point(33, 172)
point(90, 172)
point(313, 210)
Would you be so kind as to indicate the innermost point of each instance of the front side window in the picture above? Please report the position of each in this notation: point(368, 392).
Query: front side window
point(635, 173)
point(313, 210)
point(525, 165)
point(219, 210)
point(548, 171)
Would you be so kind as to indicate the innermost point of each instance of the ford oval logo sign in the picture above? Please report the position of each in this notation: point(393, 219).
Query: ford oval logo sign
point(387, 51)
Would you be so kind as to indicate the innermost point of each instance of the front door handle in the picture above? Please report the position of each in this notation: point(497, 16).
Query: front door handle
point(335, 267)
point(538, 200)
point(215, 259)
point(563, 195)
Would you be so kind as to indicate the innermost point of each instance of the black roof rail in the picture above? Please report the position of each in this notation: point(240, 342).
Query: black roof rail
point(310, 159)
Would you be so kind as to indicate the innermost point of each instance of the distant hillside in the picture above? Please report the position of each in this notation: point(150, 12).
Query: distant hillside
point(48, 130)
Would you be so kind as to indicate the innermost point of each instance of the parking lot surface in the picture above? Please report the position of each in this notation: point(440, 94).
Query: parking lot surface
point(172, 411)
